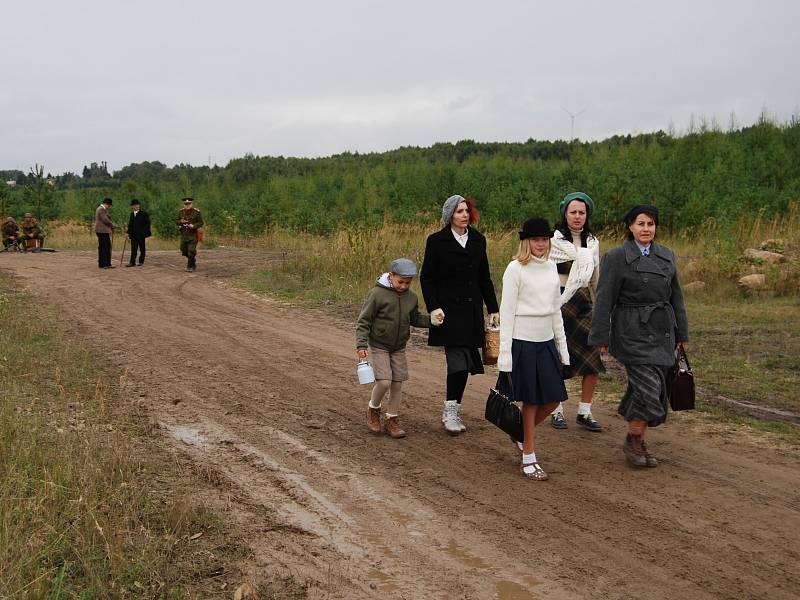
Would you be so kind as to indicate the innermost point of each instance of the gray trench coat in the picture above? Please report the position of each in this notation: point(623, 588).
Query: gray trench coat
point(639, 312)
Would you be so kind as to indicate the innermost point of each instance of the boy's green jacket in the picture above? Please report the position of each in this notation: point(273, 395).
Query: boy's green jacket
point(386, 317)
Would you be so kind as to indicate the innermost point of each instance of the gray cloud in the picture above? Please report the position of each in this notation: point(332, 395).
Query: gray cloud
point(179, 82)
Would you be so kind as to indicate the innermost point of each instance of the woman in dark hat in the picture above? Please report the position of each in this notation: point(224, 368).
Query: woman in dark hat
point(640, 318)
point(456, 283)
point(576, 252)
point(532, 342)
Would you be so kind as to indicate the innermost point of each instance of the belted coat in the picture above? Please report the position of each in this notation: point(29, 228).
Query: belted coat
point(458, 281)
point(639, 311)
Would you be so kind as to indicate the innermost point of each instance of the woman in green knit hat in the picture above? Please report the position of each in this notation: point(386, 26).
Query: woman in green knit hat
point(576, 251)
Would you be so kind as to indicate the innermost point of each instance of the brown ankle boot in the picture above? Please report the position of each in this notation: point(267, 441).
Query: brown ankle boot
point(374, 419)
point(634, 450)
point(392, 428)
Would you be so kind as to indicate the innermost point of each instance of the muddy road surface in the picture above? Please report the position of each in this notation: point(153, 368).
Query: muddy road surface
point(265, 397)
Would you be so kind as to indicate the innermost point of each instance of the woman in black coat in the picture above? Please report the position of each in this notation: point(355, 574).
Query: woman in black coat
point(456, 283)
point(640, 318)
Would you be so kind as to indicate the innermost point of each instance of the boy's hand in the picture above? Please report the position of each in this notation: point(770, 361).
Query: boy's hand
point(437, 317)
point(494, 320)
point(362, 353)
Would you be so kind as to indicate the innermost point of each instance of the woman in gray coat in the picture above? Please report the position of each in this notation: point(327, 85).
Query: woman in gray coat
point(640, 318)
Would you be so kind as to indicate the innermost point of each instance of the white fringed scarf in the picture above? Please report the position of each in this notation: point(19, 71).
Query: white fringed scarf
point(585, 261)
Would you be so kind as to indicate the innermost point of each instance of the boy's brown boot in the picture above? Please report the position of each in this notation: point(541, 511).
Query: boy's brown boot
point(374, 419)
point(392, 428)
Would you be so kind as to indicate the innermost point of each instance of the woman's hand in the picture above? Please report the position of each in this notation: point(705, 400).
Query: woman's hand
point(437, 316)
point(494, 320)
point(602, 349)
point(362, 353)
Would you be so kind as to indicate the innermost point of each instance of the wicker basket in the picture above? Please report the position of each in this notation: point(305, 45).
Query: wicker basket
point(491, 345)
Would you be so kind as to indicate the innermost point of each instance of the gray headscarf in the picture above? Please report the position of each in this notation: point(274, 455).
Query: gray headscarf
point(449, 208)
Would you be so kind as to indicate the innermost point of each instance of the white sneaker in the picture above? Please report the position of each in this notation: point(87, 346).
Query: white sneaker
point(449, 416)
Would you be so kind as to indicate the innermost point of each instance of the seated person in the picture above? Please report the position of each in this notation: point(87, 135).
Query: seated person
point(10, 232)
point(31, 231)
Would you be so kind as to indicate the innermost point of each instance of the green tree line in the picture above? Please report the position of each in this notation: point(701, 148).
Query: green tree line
point(705, 174)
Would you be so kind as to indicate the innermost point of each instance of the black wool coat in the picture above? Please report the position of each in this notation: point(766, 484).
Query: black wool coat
point(639, 311)
point(458, 281)
point(139, 226)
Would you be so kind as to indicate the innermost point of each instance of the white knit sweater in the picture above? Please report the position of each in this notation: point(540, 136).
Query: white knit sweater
point(530, 308)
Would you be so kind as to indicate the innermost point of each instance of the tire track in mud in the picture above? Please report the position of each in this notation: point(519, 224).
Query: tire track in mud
point(262, 398)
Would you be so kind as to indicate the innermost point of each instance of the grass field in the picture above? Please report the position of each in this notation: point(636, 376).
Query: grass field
point(76, 520)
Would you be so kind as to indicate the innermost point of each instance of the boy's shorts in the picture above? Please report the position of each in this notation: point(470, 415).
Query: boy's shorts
point(389, 365)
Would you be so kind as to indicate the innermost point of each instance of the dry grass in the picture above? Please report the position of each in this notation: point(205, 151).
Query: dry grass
point(69, 235)
point(75, 518)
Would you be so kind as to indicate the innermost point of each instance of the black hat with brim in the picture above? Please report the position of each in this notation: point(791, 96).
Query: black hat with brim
point(135, 202)
point(535, 227)
point(188, 199)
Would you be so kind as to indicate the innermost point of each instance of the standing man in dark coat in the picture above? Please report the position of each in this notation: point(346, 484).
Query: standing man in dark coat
point(103, 226)
point(456, 283)
point(138, 232)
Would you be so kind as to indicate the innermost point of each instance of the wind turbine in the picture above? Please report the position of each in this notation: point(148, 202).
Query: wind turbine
point(572, 121)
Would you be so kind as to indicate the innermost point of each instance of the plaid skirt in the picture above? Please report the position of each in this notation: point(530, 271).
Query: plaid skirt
point(646, 397)
point(577, 314)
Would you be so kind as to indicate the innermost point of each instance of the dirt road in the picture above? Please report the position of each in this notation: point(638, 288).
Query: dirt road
point(265, 397)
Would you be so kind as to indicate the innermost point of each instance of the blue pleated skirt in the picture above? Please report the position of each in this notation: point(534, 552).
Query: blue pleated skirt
point(536, 372)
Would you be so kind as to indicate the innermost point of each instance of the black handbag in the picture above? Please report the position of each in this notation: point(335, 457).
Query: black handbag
point(501, 410)
point(681, 389)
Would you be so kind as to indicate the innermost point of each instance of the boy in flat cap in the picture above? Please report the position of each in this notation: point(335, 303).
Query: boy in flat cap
point(189, 221)
point(384, 327)
point(138, 231)
point(103, 226)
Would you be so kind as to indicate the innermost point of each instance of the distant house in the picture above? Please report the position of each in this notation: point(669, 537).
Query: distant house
point(11, 183)
point(51, 181)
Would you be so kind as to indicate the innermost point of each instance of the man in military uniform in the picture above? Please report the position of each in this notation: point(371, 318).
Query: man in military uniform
point(31, 231)
point(10, 232)
point(189, 221)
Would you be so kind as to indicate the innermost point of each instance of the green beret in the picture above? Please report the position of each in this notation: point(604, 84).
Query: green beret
point(576, 196)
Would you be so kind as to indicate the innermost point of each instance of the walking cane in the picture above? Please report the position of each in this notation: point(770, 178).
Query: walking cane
point(123, 250)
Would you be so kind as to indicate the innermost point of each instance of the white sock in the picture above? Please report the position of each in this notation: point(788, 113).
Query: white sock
point(375, 407)
point(527, 462)
point(584, 408)
point(390, 416)
point(559, 410)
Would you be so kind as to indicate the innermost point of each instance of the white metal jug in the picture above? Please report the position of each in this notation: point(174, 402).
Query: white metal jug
point(365, 373)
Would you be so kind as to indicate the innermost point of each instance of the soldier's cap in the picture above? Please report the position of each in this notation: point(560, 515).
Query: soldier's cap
point(404, 267)
point(135, 202)
point(188, 199)
point(108, 201)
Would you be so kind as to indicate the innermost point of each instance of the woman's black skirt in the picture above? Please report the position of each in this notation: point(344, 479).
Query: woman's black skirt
point(462, 358)
point(646, 397)
point(536, 372)
point(577, 314)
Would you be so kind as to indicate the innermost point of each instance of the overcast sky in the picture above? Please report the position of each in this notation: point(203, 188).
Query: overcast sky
point(173, 81)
